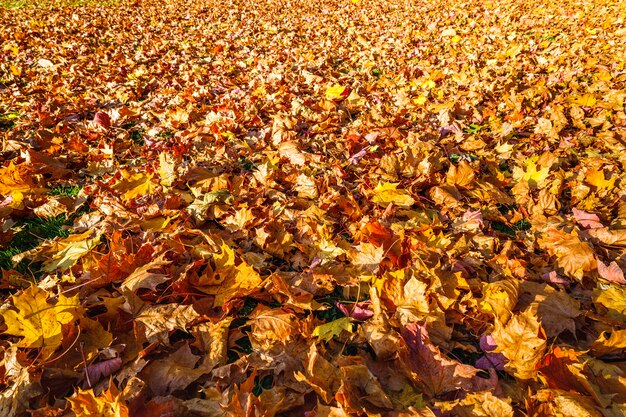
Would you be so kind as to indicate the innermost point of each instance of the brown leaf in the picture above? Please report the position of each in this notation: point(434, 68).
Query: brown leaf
point(174, 372)
point(435, 372)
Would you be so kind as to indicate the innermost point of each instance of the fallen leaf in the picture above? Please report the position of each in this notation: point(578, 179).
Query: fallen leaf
point(334, 328)
point(143, 278)
point(386, 193)
point(585, 219)
point(109, 403)
point(134, 184)
point(611, 273)
point(336, 92)
point(39, 323)
point(523, 342)
point(435, 372)
point(174, 372)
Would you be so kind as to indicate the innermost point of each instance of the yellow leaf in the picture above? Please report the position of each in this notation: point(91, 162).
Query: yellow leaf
point(461, 174)
point(587, 100)
point(227, 280)
point(335, 92)
point(455, 39)
point(387, 192)
point(167, 169)
point(72, 250)
point(613, 298)
point(596, 178)
point(603, 75)
point(534, 177)
point(613, 342)
point(13, 179)
point(499, 298)
point(39, 322)
point(420, 100)
point(156, 224)
point(482, 403)
point(573, 255)
point(134, 184)
point(522, 341)
point(109, 403)
point(334, 328)
point(143, 278)
point(428, 84)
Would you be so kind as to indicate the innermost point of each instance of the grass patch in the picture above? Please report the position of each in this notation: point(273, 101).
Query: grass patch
point(32, 232)
point(71, 191)
point(7, 120)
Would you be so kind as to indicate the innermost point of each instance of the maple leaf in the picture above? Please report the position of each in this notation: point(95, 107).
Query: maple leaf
point(360, 389)
point(499, 298)
point(596, 178)
point(609, 237)
point(367, 256)
point(70, 250)
point(585, 219)
point(479, 404)
point(336, 92)
point(461, 174)
point(562, 369)
point(39, 323)
point(134, 184)
point(387, 192)
point(21, 387)
point(586, 100)
point(167, 169)
point(610, 343)
point(559, 402)
point(612, 272)
point(334, 328)
point(269, 327)
point(535, 178)
point(522, 341)
point(14, 180)
point(109, 403)
point(229, 280)
point(212, 338)
point(613, 298)
point(436, 373)
point(161, 319)
point(320, 374)
point(175, 372)
point(573, 255)
point(143, 278)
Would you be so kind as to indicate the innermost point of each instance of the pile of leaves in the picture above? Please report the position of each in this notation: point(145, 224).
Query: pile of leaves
point(329, 208)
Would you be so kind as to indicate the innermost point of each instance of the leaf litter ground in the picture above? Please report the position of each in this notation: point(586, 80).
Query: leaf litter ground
point(342, 208)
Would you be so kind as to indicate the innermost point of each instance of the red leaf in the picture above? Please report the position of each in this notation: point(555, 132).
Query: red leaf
point(102, 119)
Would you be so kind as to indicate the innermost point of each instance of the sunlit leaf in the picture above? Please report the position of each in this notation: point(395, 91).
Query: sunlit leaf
point(39, 322)
point(334, 328)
